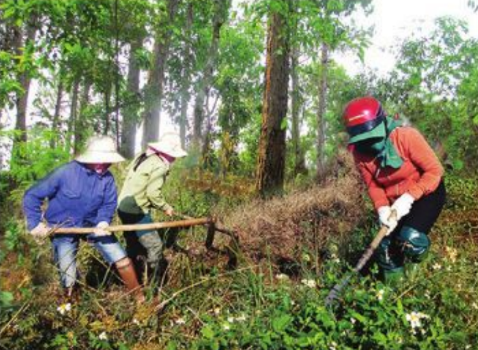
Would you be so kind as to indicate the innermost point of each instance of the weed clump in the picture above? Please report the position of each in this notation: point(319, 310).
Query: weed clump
point(305, 221)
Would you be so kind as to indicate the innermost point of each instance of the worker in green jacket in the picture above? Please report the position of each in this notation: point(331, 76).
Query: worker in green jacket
point(142, 192)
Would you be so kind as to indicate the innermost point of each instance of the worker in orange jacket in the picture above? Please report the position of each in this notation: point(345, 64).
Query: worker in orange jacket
point(402, 174)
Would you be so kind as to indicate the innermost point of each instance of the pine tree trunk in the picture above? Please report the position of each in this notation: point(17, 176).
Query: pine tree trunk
point(272, 147)
point(130, 119)
point(155, 86)
point(321, 122)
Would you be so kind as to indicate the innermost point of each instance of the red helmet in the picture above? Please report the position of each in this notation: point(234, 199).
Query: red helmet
point(362, 115)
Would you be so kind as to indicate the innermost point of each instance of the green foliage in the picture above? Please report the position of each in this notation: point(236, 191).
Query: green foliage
point(36, 158)
point(371, 316)
point(434, 87)
point(256, 307)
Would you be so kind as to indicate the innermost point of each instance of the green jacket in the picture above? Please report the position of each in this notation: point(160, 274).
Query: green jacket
point(142, 188)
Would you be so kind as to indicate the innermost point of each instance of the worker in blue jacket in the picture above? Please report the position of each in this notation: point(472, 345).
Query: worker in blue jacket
point(81, 193)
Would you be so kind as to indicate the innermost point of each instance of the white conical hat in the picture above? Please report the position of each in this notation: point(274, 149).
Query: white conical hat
point(100, 149)
point(170, 144)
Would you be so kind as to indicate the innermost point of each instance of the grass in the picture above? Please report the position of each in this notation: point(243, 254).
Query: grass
point(254, 306)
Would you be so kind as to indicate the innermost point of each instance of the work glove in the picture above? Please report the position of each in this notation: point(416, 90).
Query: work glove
point(386, 219)
point(403, 205)
point(100, 231)
point(40, 232)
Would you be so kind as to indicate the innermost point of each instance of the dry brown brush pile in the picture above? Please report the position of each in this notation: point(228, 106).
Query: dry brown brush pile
point(285, 228)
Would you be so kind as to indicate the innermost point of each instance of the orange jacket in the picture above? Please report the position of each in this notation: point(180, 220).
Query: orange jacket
point(420, 173)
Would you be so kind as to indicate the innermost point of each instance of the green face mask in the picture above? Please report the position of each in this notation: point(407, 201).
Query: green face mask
point(372, 146)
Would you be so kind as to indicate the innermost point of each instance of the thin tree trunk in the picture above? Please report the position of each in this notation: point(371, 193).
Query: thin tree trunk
point(321, 122)
point(186, 78)
point(21, 99)
point(55, 125)
point(107, 120)
point(296, 103)
point(206, 146)
point(272, 147)
point(155, 86)
point(74, 113)
point(130, 119)
point(81, 123)
point(220, 16)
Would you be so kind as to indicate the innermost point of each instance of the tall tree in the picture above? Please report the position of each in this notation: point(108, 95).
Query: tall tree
point(130, 112)
point(57, 112)
point(296, 98)
point(23, 42)
point(328, 25)
point(221, 9)
point(73, 120)
point(81, 121)
point(296, 106)
point(321, 109)
point(186, 75)
point(155, 85)
point(272, 148)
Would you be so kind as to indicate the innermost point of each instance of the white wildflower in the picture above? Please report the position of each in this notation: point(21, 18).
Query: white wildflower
point(380, 294)
point(353, 320)
point(415, 319)
point(333, 346)
point(180, 321)
point(309, 283)
point(436, 266)
point(226, 326)
point(135, 321)
point(103, 336)
point(64, 308)
point(230, 319)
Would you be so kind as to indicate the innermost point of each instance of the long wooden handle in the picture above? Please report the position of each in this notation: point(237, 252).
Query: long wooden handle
point(337, 289)
point(136, 227)
point(226, 231)
point(371, 249)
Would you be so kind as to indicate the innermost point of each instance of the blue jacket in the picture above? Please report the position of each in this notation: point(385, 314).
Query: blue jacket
point(77, 197)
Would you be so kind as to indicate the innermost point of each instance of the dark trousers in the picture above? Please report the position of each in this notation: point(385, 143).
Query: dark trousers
point(410, 236)
point(425, 211)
